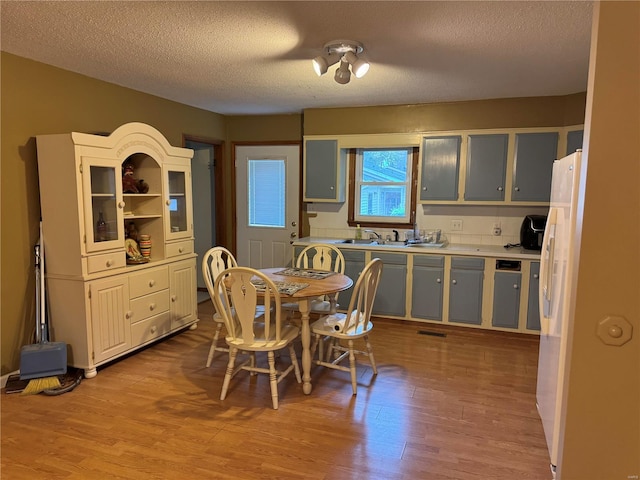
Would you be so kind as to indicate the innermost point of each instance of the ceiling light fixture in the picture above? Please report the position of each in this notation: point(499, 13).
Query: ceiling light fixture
point(345, 51)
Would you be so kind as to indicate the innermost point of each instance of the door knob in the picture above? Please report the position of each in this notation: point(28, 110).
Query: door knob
point(294, 234)
point(294, 224)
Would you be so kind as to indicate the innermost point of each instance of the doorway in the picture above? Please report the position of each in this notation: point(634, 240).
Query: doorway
point(267, 203)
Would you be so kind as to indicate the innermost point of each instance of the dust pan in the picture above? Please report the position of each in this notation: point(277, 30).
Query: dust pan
point(43, 361)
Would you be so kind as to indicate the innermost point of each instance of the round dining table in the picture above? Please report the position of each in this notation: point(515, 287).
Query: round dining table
point(329, 285)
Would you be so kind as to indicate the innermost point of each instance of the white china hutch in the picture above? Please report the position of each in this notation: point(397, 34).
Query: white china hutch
point(102, 304)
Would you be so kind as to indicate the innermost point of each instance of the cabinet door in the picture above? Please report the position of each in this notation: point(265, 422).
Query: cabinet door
point(183, 292)
point(427, 287)
point(574, 141)
point(353, 265)
point(465, 290)
point(103, 210)
point(440, 168)
point(324, 171)
point(533, 163)
point(533, 308)
point(110, 313)
point(392, 289)
point(178, 206)
point(506, 299)
point(486, 167)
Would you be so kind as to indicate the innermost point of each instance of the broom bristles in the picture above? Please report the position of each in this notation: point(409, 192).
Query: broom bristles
point(38, 385)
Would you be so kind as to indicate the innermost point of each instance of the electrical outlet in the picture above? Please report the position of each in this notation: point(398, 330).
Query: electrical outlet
point(456, 225)
point(497, 229)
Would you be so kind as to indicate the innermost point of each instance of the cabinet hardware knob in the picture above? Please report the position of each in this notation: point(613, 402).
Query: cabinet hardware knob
point(153, 329)
point(152, 283)
point(173, 298)
point(455, 282)
point(121, 204)
point(535, 275)
point(424, 188)
point(500, 189)
point(152, 306)
point(331, 188)
point(517, 189)
point(127, 315)
point(180, 250)
point(109, 263)
point(516, 286)
point(438, 280)
point(168, 202)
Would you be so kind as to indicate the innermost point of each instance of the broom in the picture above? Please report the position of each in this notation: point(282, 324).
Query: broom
point(40, 360)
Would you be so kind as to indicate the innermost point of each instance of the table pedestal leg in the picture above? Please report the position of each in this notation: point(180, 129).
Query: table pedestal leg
point(303, 306)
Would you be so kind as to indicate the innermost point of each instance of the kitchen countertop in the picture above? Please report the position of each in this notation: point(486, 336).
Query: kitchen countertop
point(449, 249)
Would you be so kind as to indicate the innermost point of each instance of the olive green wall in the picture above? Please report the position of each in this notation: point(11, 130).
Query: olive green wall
point(39, 99)
point(498, 113)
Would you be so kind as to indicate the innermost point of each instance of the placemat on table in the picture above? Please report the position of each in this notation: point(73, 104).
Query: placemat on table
point(287, 288)
point(305, 273)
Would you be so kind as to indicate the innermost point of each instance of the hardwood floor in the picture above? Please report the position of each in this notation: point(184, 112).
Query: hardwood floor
point(459, 406)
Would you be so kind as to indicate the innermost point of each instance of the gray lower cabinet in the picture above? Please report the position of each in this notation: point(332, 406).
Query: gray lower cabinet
point(486, 167)
point(392, 289)
point(506, 299)
point(353, 265)
point(440, 168)
point(533, 307)
point(465, 290)
point(427, 287)
point(534, 157)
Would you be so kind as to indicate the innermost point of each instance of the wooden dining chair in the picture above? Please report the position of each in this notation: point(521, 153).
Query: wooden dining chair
point(319, 256)
point(347, 327)
point(237, 305)
point(214, 262)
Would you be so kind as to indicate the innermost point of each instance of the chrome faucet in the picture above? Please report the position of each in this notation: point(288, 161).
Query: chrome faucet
point(378, 236)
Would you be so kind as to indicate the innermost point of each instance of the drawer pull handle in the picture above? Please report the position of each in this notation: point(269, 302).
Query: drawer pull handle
point(153, 329)
point(152, 306)
point(500, 189)
point(152, 283)
point(181, 249)
point(109, 263)
point(517, 189)
point(535, 275)
point(516, 286)
point(438, 280)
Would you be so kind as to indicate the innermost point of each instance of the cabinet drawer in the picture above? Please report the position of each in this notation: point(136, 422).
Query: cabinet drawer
point(467, 263)
point(150, 329)
point(353, 255)
point(179, 248)
point(390, 258)
point(107, 261)
point(428, 260)
point(148, 281)
point(153, 304)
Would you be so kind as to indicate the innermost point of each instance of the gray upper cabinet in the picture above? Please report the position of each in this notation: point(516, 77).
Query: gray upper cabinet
point(574, 141)
point(533, 163)
point(392, 289)
point(440, 168)
point(324, 171)
point(486, 167)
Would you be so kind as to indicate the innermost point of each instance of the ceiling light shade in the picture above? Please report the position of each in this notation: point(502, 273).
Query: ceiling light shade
point(358, 66)
point(347, 51)
point(343, 75)
point(322, 63)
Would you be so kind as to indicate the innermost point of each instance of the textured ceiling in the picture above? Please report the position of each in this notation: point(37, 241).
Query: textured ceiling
point(254, 57)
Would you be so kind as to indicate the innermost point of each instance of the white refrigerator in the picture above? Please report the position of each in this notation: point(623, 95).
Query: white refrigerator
point(557, 265)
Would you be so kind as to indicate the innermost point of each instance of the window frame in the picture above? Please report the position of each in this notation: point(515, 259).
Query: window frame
point(353, 167)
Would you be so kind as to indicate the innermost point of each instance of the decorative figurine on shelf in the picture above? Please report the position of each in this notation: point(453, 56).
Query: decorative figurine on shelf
point(129, 183)
point(132, 231)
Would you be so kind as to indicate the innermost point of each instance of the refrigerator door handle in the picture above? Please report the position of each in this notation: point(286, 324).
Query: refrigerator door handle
point(546, 274)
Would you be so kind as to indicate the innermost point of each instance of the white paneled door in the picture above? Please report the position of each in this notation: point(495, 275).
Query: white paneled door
point(267, 203)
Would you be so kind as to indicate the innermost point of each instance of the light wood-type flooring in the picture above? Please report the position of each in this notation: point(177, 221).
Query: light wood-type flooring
point(460, 406)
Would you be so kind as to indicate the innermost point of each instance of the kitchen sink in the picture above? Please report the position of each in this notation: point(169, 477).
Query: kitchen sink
point(360, 241)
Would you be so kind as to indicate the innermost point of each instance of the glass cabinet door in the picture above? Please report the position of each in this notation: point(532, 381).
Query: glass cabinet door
point(178, 203)
point(103, 211)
